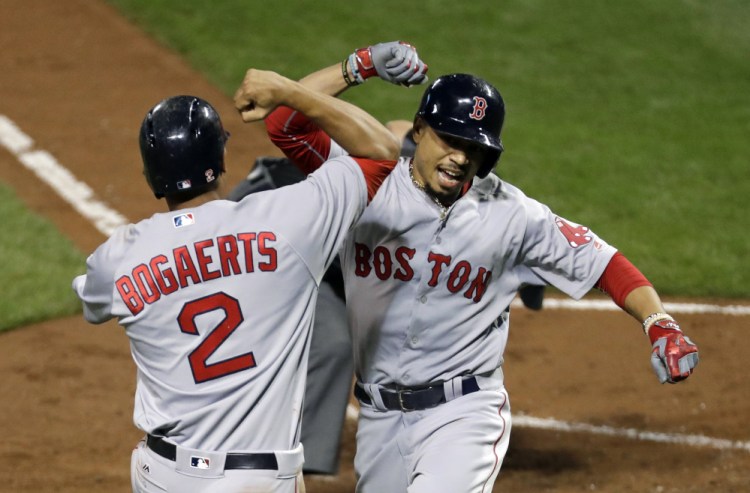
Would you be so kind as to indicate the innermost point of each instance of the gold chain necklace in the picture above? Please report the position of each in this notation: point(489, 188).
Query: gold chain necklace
point(443, 209)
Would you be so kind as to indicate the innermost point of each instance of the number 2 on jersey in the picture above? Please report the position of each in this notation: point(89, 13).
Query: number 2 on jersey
point(202, 371)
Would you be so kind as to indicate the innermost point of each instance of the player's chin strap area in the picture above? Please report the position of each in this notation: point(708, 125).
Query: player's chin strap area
point(400, 398)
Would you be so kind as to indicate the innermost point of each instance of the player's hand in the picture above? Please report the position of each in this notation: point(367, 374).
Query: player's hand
point(673, 355)
point(395, 61)
point(259, 94)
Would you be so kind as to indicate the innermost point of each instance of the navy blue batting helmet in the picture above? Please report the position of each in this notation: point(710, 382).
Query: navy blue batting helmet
point(468, 108)
point(182, 145)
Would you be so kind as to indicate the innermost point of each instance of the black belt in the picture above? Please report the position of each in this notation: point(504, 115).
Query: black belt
point(233, 461)
point(414, 399)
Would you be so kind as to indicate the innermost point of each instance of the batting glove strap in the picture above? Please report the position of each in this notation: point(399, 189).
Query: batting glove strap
point(673, 354)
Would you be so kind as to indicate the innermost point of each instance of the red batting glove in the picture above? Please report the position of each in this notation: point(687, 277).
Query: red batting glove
point(674, 356)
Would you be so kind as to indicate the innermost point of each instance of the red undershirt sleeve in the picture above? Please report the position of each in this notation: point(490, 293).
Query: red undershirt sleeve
point(375, 172)
point(298, 138)
point(619, 278)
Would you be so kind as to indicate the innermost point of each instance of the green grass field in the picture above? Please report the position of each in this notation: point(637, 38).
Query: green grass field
point(34, 290)
point(629, 117)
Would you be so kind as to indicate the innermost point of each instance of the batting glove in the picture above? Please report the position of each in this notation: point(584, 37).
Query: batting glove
point(674, 356)
point(395, 61)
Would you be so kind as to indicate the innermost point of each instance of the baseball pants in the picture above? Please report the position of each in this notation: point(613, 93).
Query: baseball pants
point(151, 473)
point(457, 446)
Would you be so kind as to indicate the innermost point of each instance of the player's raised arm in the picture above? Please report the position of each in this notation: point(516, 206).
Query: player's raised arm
point(262, 91)
point(306, 139)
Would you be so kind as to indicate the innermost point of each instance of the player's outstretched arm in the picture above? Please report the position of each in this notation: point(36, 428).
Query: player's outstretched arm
point(673, 355)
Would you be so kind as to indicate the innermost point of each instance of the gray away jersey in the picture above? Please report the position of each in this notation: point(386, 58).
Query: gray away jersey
point(218, 303)
point(427, 297)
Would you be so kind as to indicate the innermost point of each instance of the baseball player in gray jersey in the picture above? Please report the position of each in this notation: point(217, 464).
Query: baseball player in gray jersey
point(217, 297)
point(430, 269)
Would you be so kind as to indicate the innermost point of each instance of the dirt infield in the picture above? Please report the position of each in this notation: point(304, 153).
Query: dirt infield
point(78, 79)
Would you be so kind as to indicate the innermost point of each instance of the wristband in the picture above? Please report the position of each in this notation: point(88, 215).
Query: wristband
point(653, 318)
point(355, 70)
point(345, 72)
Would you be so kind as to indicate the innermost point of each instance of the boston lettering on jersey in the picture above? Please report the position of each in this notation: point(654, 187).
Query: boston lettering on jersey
point(385, 264)
point(200, 262)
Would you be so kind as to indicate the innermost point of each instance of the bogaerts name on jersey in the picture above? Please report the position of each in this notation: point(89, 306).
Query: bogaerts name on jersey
point(192, 264)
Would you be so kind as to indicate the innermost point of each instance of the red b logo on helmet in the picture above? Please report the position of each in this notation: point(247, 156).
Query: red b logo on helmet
point(480, 105)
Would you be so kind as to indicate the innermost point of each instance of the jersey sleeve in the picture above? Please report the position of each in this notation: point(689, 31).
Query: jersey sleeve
point(96, 287)
point(564, 254)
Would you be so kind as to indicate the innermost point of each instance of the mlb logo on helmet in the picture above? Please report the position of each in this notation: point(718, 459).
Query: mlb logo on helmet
point(200, 462)
point(184, 185)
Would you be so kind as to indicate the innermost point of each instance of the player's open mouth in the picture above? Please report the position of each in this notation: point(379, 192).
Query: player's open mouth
point(449, 178)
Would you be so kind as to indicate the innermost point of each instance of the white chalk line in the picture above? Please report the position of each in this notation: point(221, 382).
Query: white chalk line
point(59, 178)
point(609, 305)
point(551, 424)
point(80, 196)
point(525, 421)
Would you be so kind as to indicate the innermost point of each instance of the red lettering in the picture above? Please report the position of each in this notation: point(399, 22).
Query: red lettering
point(247, 240)
point(459, 276)
point(159, 275)
point(204, 260)
point(479, 285)
point(405, 272)
point(146, 284)
point(439, 261)
point(184, 266)
point(382, 263)
point(129, 295)
point(228, 253)
point(268, 251)
point(361, 260)
point(202, 370)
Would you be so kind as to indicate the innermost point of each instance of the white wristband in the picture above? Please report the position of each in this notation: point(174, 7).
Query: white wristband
point(354, 67)
point(653, 318)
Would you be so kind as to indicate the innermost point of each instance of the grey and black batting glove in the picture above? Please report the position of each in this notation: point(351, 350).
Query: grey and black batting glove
point(395, 61)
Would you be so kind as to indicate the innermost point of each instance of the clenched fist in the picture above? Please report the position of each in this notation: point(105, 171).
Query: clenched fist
point(395, 61)
point(260, 92)
point(673, 355)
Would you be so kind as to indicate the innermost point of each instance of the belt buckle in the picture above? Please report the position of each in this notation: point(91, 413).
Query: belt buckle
point(400, 393)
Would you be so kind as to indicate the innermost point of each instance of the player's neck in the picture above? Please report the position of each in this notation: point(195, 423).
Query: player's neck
point(199, 200)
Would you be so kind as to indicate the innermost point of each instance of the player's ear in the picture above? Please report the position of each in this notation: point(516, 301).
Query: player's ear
point(419, 126)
